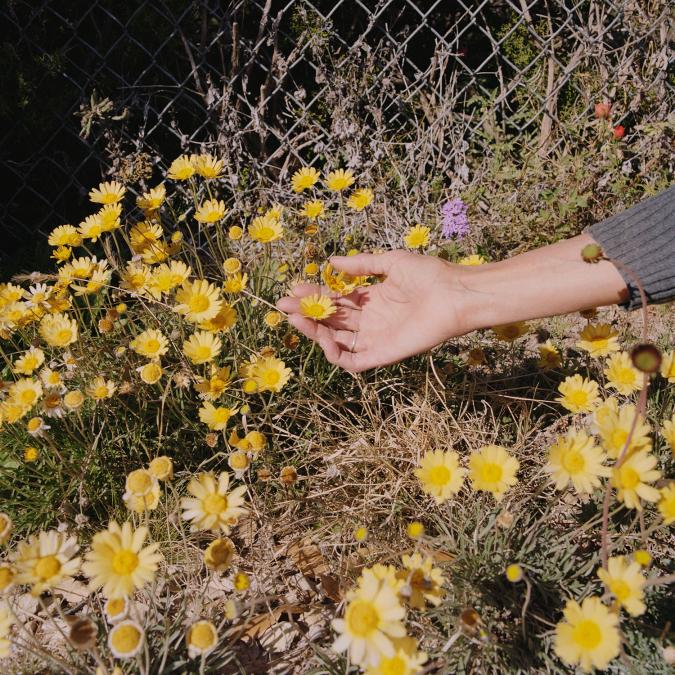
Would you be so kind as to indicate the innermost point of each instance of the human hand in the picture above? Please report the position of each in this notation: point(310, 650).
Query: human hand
point(417, 306)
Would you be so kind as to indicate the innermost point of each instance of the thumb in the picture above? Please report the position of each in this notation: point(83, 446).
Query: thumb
point(367, 263)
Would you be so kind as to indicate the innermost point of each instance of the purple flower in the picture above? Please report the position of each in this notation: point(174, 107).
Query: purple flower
point(455, 221)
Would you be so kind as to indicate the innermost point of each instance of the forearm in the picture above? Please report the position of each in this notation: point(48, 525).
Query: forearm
point(545, 282)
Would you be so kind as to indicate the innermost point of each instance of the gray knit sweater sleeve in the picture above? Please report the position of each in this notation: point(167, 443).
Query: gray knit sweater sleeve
point(643, 239)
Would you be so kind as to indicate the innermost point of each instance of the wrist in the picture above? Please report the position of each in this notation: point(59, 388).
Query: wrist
point(545, 282)
point(478, 305)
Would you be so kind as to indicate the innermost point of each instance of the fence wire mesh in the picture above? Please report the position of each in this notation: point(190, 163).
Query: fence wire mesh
point(119, 89)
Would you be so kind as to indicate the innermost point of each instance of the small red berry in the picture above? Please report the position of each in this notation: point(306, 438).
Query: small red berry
point(602, 110)
point(618, 132)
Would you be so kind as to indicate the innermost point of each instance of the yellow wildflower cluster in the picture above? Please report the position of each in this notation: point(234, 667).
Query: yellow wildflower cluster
point(155, 348)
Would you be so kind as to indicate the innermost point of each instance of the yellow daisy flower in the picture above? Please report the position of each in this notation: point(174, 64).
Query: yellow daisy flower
point(340, 282)
point(422, 581)
point(215, 418)
point(666, 503)
point(6, 526)
point(30, 453)
point(339, 180)
point(631, 478)
point(624, 580)
point(313, 209)
point(61, 253)
point(107, 193)
point(151, 201)
point(514, 573)
point(221, 322)
point(589, 635)
point(406, 661)
point(58, 330)
point(213, 387)
point(144, 235)
point(29, 361)
point(126, 639)
point(109, 217)
point(270, 374)
point(211, 506)
point(207, 166)
point(6, 623)
point(219, 554)
point(141, 491)
point(361, 198)
point(161, 467)
point(440, 474)
point(235, 283)
point(135, 277)
point(100, 388)
point(576, 459)
point(472, 260)
point(116, 610)
point(668, 365)
point(65, 235)
point(202, 347)
point(373, 619)
point(273, 319)
point(151, 343)
point(232, 265)
point(210, 211)
point(150, 373)
point(198, 301)
point(265, 230)
point(578, 394)
point(235, 233)
point(417, 237)
point(622, 375)
point(46, 561)
point(668, 432)
point(549, 356)
point(253, 442)
point(239, 462)
point(241, 582)
point(181, 168)
point(118, 563)
point(415, 530)
point(511, 331)
point(317, 307)
point(201, 638)
point(599, 339)
point(613, 424)
point(642, 557)
point(311, 269)
point(304, 178)
point(73, 400)
point(26, 392)
point(492, 469)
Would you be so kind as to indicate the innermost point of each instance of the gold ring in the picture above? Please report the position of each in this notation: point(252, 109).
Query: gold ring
point(356, 334)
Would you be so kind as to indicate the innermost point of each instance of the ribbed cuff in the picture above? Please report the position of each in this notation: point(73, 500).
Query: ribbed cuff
point(642, 239)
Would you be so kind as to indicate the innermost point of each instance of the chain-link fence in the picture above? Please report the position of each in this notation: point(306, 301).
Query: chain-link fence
point(99, 86)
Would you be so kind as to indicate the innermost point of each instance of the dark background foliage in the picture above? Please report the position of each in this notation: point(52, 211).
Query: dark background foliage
point(104, 88)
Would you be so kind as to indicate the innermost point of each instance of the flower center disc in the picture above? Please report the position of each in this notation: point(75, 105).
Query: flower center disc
point(439, 475)
point(629, 478)
point(573, 461)
point(199, 303)
point(362, 618)
point(492, 473)
point(201, 636)
point(214, 504)
point(47, 567)
point(124, 562)
point(587, 634)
